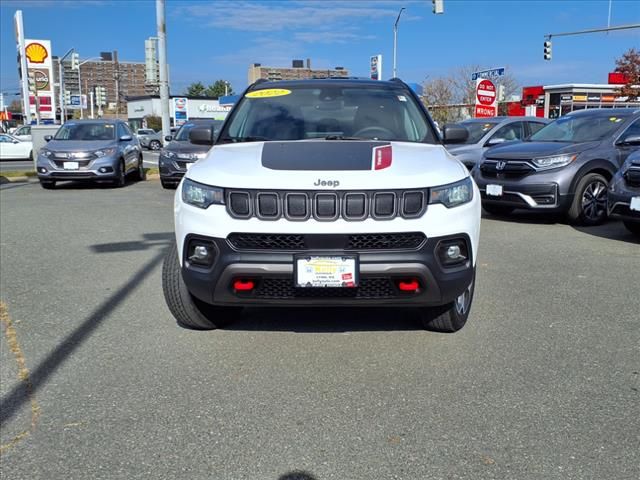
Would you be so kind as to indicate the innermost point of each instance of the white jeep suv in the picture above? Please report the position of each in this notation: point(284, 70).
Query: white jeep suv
point(327, 192)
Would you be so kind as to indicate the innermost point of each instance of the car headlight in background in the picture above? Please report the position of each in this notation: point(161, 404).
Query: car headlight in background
point(453, 194)
point(105, 152)
point(201, 196)
point(555, 161)
point(45, 153)
point(167, 153)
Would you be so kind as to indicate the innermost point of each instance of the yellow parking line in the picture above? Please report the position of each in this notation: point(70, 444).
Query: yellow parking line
point(23, 375)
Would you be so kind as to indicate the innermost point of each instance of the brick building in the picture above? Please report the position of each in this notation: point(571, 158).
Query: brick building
point(297, 71)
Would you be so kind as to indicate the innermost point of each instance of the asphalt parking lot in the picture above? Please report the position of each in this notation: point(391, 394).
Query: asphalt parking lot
point(98, 381)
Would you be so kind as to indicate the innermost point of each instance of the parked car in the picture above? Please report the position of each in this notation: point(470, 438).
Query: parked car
point(563, 168)
point(13, 149)
point(23, 133)
point(323, 193)
point(623, 198)
point(488, 132)
point(180, 154)
point(90, 150)
point(149, 138)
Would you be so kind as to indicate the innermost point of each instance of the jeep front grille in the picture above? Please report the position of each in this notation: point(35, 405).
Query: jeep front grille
point(326, 205)
point(356, 241)
point(283, 288)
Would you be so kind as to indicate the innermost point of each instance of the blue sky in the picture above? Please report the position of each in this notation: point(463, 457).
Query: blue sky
point(208, 40)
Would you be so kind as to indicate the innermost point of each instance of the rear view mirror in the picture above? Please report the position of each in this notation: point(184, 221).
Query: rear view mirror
point(201, 136)
point(168, 138)
point(495, 141)
point(126, 138)
point(47, 138)
point(630, 140)
point(454, 134)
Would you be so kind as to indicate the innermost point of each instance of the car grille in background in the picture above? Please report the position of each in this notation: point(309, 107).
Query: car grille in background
point(283, 288)
point(326, 206)
point(359, 241)
point(511, 169)
point(632, 176)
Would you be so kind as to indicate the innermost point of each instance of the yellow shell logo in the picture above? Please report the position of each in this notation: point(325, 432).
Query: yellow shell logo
point(36, 53)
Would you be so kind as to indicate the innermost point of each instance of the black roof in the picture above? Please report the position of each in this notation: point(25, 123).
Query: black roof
point(605, 111)
point(318, 82)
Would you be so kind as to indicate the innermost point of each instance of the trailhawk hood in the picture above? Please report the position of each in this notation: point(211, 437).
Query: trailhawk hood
point(327, 165)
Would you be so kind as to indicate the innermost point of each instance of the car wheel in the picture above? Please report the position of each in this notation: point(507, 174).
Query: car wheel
point(154, 145)
point(498, 210)
point(141, 175)
point(48, 184)
point(189, 311)
point(169, 185)
point(121, 178)
point(451, 317)
point(633, 227)
point(589, 205)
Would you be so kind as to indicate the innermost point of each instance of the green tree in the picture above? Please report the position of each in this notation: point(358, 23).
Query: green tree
point(196, 89)
point(217, 89)
point(629, 65)
point(154, 122)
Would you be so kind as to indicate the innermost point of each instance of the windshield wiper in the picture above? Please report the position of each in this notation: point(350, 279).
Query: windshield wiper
point(243, 139)
point(342, 137)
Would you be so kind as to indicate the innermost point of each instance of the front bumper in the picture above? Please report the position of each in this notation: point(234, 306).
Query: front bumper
point(98, 169)
point(618, 204)
point(273, 275)
point(173, 169)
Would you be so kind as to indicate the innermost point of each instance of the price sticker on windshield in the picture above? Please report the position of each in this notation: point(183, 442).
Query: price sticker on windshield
point(268, 93)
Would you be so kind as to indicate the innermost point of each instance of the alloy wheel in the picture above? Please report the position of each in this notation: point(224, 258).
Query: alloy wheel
point(594, 200)
point(463, 301)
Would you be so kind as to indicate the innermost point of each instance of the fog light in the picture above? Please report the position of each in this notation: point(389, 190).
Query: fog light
point(102, 170)
point(411, 285)
point(453, 252)
point(243, 285)
point(42, 170)
point(200, 253)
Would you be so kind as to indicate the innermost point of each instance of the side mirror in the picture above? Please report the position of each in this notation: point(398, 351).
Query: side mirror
point(201, 136)
point(15, 141)
point(125, 138)
point(168, 138)
point(630, 140)
point(495, 141)
point(454, 134)
point(48, 138)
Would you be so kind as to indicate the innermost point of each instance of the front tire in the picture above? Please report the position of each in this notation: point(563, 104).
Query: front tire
point(189, 311)
point(168, 185)
point(497, 210)
point(589, 205)
point(154, 145)
point(633, 227)
point(141, 175)
point(451, 317)
point(121, 178)
point(48, 184)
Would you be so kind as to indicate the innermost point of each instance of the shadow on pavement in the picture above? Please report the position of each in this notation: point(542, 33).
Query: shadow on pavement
point(297, 475)
point(613, 230)
point(12, 402)
point(525, 216)
point(326, 319)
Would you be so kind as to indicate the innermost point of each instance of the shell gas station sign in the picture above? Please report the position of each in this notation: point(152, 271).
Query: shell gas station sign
point(40, 69)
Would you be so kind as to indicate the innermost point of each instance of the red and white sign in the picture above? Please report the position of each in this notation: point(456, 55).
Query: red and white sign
point(486, 97)
point(382, 157)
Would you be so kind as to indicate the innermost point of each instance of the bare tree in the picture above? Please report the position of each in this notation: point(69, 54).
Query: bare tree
point(437, 94)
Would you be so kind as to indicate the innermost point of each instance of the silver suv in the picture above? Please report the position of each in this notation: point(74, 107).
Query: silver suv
point(90, 150)
point(149, 138)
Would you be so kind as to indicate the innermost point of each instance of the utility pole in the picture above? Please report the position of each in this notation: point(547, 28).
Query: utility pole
point(395, 41)
point(162, 59)
point(91, 100)
point(63, 110)
point(24, 87)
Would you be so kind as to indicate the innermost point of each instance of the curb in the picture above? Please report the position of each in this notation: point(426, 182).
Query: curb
point(4, 180)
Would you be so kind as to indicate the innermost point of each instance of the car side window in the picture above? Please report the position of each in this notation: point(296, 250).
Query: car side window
point(535, 126)
point(121, 130)
point(513, 131)
point(127, 129)
point(632, 131)
point(4, 139)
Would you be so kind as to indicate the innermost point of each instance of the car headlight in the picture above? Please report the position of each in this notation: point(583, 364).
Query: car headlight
point(45, 153)
point(105, 152)
point(554, 161)
point(167, 153)
point(201, 196)
point(453, 194)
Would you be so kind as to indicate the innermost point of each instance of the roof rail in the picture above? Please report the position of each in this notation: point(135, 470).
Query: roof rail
point(256, 83)
point(396, 79)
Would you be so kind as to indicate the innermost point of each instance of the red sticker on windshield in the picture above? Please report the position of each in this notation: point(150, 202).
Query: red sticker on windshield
point(381, 157)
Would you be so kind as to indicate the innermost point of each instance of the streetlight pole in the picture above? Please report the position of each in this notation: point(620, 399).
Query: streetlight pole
point(80, 84)
point(63, 111)
point(162, 60)
point(395, 41)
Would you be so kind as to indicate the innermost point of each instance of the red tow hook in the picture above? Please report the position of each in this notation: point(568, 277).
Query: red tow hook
point(410, 285)
point(243, 285)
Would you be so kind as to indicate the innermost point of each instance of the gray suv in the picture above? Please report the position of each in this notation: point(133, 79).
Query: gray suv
point(149, 138)
point(485, 133)
point(90, 150)
point(178, 156)
point(624, 192)
point(565, 167)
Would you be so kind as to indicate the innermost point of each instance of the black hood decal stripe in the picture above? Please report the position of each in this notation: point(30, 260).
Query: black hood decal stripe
point(319, 155)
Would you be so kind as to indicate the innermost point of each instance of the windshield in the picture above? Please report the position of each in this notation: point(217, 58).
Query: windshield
point(477, 130)
point(331, 112)
point(86, 131)
point(579, 128)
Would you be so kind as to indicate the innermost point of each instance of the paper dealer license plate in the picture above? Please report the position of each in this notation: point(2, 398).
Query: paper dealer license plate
point(494, 190)
point(635, 204)
point(326, 272)
point(70, 165)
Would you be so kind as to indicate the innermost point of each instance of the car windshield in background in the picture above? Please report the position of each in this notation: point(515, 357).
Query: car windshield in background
point(579, 128)
point(86, 131)
point(183, 134)
point(328, 112)
point(477, 130)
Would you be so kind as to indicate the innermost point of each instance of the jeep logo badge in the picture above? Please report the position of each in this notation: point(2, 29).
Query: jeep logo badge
point(327, 183)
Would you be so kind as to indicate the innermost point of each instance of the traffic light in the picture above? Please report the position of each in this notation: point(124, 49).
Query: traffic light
point(438, 6)
point(547, 50)
point(32, 81)
point(67, 97)
point(75, 61)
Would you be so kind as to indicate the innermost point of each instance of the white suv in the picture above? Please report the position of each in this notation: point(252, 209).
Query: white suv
point(324, 193)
